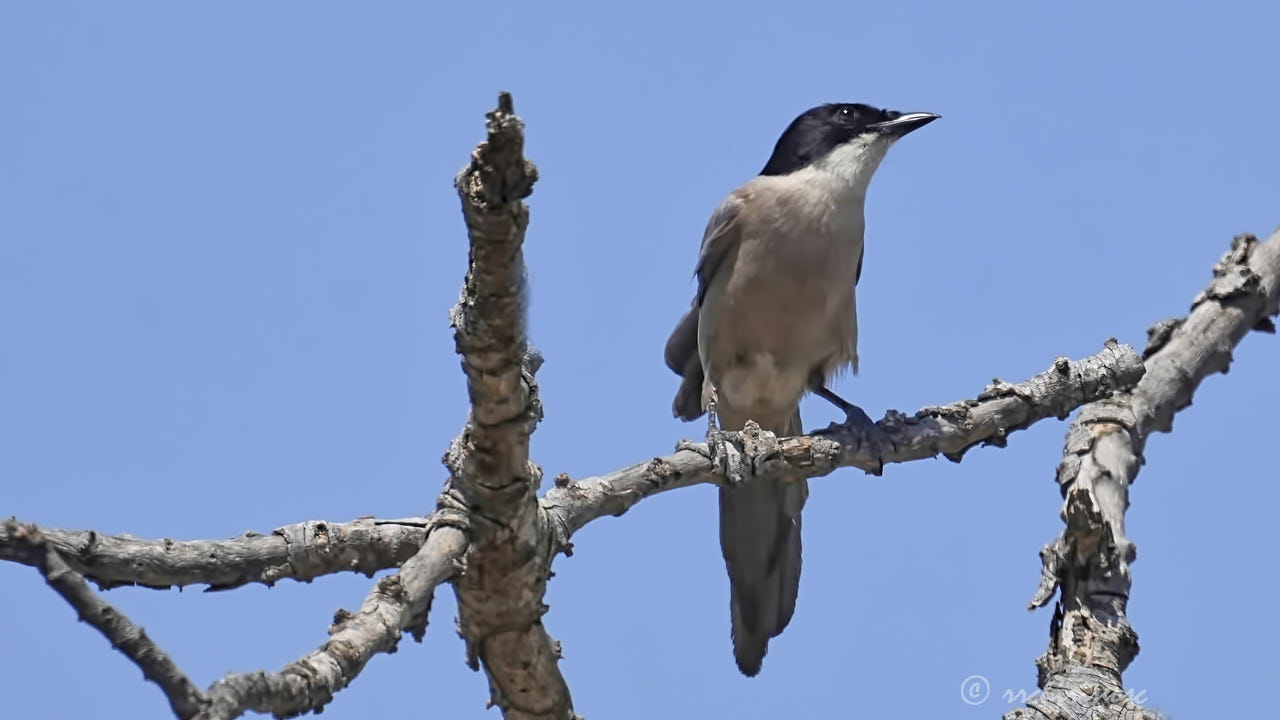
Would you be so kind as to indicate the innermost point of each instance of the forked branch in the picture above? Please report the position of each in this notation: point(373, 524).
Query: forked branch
point(1091, 640)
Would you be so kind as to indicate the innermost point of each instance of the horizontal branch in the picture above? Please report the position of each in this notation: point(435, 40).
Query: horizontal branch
point(397, 603)
point(32, 548)
point(948, 430)
point(393, 605)
point(303, 551)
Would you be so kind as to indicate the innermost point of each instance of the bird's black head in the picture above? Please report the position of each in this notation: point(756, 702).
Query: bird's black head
point(822, 129)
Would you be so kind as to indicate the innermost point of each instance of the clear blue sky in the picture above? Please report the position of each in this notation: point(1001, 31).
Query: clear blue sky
point(229, 242)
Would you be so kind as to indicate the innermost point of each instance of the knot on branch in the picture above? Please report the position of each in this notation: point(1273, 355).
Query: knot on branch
point(1158, 335)
point(1073, 689)
point(1079, 640)
point(1232, 275)
point(27, 540)
point(451, 511)
point(1098, 551)
point(1112, 414)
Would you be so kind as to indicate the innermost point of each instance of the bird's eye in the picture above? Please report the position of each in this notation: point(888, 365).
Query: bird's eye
point(843, 112)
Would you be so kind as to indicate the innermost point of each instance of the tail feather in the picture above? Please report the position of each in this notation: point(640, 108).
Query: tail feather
point(688, 402)
point(760, 540)
point(681, 355)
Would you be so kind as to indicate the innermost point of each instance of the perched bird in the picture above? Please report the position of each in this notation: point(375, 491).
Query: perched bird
point(774, 317)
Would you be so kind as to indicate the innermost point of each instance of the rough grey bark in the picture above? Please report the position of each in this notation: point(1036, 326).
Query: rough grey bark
point(396, 604)
point(500, 604)
point(308, 550)
point(947, 430)
point(26, 544)
point(303, 551)
point(1091, 641)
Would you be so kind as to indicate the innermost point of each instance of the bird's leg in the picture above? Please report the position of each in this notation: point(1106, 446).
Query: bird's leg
point(854, 415)
point(725, 459)
point(722, 452)
point(857, 422)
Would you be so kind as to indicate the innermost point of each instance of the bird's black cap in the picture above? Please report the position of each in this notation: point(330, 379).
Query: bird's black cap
point(822, 129)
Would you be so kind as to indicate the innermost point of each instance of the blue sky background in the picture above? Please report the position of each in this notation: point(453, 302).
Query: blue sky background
point(229, 243)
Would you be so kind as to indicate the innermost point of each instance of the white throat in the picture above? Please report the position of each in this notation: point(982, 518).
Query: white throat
point(846, 171)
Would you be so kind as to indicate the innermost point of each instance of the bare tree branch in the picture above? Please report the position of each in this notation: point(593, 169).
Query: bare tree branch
point(1091, 640)
point(303, 551)
point(397, 603)
point(308, 549)
point(32, 548)
point(948, 430)
point(500, 604)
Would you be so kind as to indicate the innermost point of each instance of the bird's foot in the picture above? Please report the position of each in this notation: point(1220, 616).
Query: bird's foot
point(865, 432)
point(726, 460)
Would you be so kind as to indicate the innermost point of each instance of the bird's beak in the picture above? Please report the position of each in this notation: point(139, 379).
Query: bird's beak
point(904, 123)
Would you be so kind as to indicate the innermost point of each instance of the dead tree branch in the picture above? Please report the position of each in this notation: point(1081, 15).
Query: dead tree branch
point(303, 552)
point(948, 430)
point(500, 604)
point(31, 547)
point(308, 549)
point(397, 603)
point(1091, 640)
